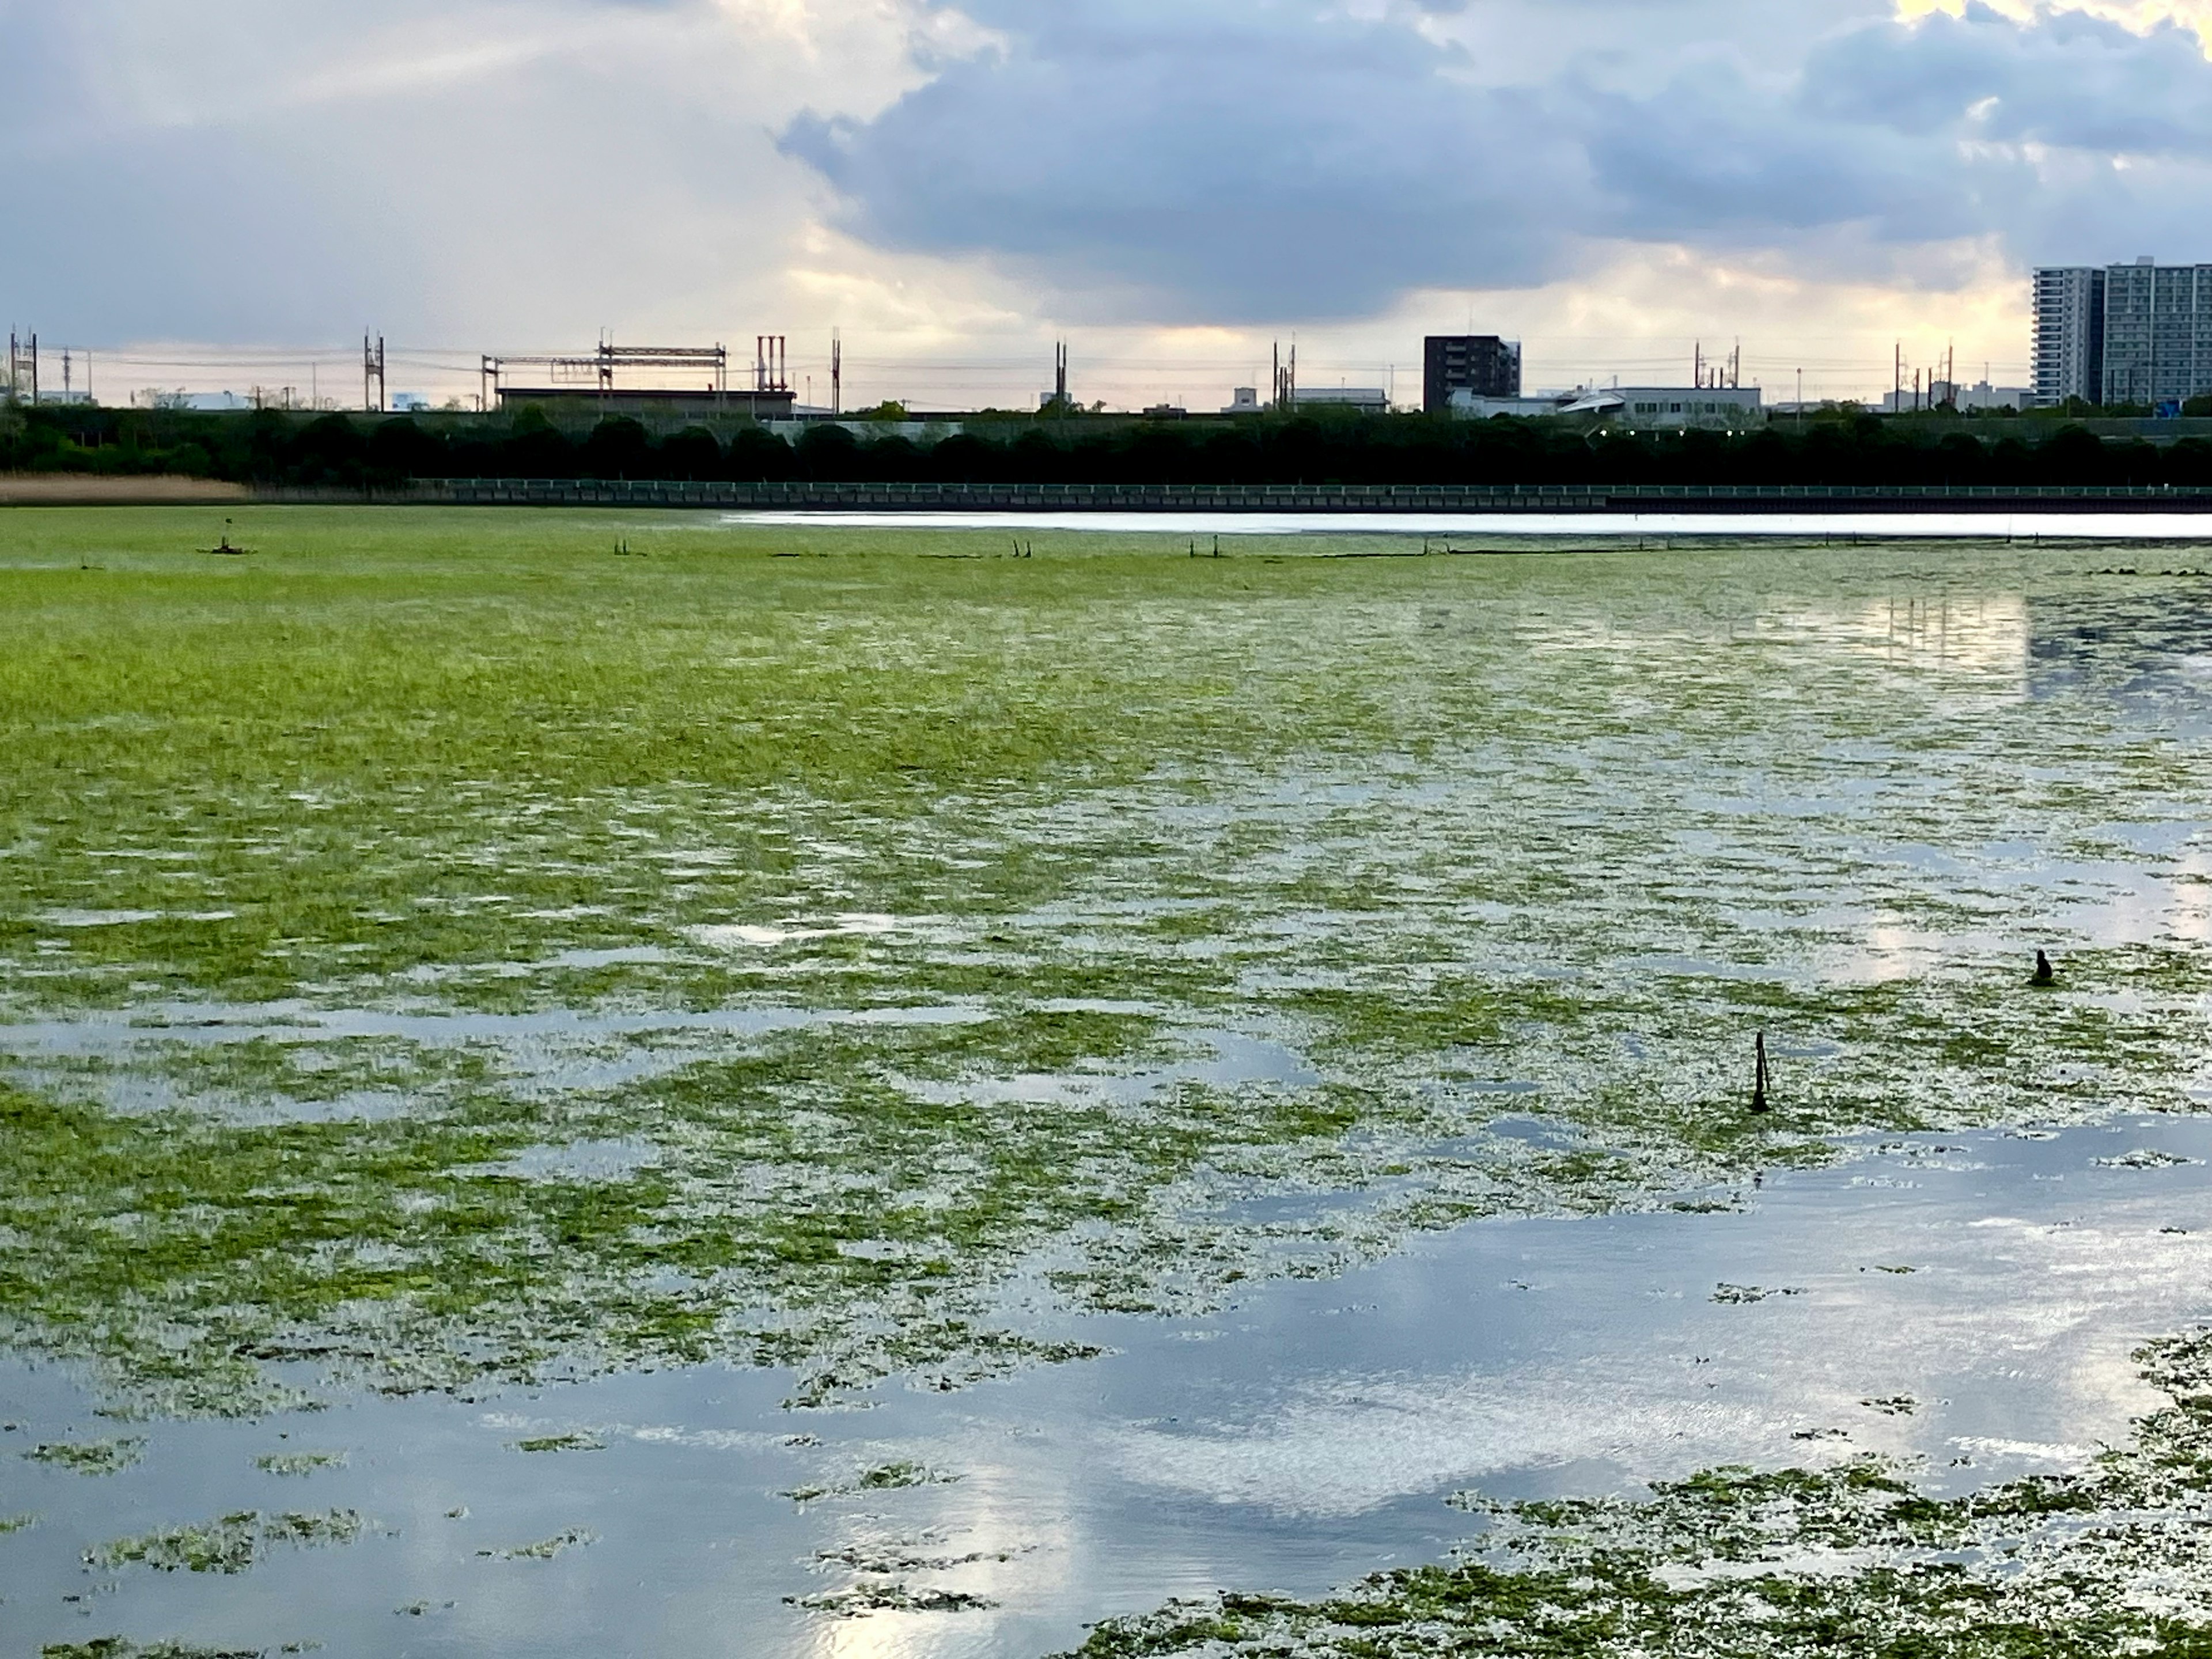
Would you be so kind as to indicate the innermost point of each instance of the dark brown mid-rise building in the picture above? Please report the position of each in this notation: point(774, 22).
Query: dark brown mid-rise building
point(1481, 364)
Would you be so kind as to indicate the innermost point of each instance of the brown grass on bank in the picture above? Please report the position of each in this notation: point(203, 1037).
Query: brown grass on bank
point(95, 490)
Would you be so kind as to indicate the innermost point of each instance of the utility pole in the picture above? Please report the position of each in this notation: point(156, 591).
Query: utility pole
point(1286, 377)
point(836, 373)
point(1060, 375)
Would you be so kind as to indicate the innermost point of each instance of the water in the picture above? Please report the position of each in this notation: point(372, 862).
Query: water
point(1300, 1437)
point(2190, 528)
point(1835, 795)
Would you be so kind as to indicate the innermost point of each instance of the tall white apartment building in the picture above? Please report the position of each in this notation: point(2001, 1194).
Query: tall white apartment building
point(2158, 332)
point(2138, 333)
point(2069, 334)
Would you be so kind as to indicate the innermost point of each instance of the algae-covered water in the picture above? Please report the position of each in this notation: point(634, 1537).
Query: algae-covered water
point(747, 1094)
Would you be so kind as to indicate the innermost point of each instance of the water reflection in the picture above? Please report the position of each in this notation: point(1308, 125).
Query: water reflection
point(1295, 1440)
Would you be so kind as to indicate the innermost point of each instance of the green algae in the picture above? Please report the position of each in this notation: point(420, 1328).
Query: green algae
point(228, 1544)
point(890, 1477)
point(894, 1476)
point(544, 1549)
point(559, 1442)
point(931, 934)
point(299, 1463)
point(90, 1456)
point(859, 1600)
point(1742, 1563)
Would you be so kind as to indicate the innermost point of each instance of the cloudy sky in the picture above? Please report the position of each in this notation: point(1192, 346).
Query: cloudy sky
point(213, 191)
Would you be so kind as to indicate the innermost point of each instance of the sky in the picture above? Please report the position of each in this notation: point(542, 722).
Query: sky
point(223, 193)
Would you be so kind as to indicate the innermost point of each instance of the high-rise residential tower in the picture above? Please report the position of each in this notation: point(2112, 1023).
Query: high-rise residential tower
point(2157, 333)
point(2069, 334)
point(2138, 333)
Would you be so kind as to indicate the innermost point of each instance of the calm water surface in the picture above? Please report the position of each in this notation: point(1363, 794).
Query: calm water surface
point(2180, 528)
point(1300, 1438)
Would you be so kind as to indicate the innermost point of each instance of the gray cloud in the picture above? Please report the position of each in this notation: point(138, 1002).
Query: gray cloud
point(1209, 161)
point(493, 171)
point(1222, 159)
point(518, 171)
point(2072, 80)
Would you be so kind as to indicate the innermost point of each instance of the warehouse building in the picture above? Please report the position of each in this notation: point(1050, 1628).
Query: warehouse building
point(1631, 407)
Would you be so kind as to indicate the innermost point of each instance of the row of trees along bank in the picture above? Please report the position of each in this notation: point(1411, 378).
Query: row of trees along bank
point(275, 447)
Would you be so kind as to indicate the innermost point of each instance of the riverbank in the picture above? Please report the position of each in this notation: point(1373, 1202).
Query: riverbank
point(1874, 501)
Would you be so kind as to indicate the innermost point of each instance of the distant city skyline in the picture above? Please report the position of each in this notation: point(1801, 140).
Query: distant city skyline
point(225, 195)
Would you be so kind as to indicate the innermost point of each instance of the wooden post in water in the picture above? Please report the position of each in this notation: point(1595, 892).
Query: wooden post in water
point(1758, 1075)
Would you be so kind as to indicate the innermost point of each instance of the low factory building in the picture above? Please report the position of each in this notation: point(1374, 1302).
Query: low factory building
point(1364, 399)
point(764, 406)
point(1630, 408)
point(1471, 406)
point(1673, 409)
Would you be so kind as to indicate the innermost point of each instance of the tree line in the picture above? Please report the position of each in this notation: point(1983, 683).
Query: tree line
point(271, 447)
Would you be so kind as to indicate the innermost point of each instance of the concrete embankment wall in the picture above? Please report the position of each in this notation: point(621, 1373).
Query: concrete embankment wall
point(65, 489)
point(1284, 498)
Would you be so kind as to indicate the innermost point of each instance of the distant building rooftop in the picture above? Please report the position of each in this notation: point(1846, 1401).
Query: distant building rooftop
point(705, 400)
point(1369, 400)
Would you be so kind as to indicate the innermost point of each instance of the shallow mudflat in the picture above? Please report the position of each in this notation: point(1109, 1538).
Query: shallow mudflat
point(798, 1062)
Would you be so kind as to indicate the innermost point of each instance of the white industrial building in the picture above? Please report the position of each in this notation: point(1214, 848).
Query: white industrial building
point(1966, 399)
point(1633, 408)
point(1468, 406)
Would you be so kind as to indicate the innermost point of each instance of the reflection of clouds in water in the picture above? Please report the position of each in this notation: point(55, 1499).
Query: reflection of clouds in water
point(1346, 1445)
point(1980, 633)
point(2063, 1455)
point(2002, 1309)
point(2189, 897)
point(1025, 1513)
point(2166, 899)
point(1983, 636)
point(879, 1636)
point(1892, 950)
